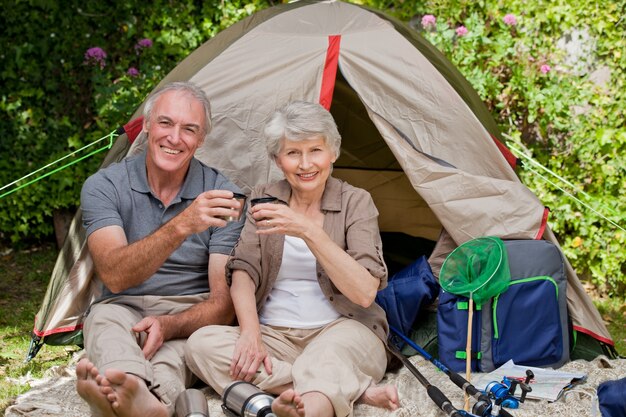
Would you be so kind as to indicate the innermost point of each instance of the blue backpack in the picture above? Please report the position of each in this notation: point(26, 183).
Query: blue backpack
point(527, 323)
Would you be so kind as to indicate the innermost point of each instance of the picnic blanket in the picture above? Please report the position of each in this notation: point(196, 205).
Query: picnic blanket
point(55, 394)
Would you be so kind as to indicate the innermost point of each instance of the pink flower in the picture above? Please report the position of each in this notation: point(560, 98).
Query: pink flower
point(143, 43)
point(95, 56)
point(132, 71)
point(510, 19)
point(428, 21)
point(461, 31)
point(545, 68)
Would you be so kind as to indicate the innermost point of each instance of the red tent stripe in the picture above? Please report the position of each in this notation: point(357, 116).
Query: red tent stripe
point(596, 336)
point(57, 330)
point(330, 71)
point(544, 223)
point(508, 155)
point(133, 128)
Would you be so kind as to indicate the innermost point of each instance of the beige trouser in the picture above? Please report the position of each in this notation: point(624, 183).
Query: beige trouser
point(110, 344)
point(340, 360)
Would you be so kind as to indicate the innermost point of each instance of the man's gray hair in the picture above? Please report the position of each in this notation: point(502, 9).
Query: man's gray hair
point(186, 87)
point(301, 120)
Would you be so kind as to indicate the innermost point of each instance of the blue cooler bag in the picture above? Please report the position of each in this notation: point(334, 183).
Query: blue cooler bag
point(527, 323)
point(452, 312)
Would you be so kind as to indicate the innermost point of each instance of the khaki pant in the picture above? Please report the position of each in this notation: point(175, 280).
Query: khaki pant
point(340, 360)
point(110, 343)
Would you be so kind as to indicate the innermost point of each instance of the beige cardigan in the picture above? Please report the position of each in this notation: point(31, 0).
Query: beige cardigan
point(350, 219)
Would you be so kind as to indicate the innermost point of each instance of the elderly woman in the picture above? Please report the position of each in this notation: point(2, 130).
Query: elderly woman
point(304, 276)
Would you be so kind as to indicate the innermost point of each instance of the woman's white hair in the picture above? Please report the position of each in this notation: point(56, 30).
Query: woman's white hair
point(301, 120)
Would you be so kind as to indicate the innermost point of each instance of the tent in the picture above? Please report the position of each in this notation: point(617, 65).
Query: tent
point(415, 135)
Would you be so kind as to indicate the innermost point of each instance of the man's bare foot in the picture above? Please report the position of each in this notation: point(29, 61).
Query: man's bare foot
point(130, 397)
point(385, 396)
point(288, 404)
point(88, 387)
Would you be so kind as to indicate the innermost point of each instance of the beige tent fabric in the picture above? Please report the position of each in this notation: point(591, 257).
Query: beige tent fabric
point(56, 396)
point(409, 136)
point(67, 299)
point(401, 86)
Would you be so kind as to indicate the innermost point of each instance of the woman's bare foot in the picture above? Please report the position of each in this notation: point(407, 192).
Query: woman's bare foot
point(288, 404)
point(130, 396)
point(385, 396)
point(88, 387)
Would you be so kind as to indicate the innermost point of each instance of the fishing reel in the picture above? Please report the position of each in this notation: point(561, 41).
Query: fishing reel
point(503, 393)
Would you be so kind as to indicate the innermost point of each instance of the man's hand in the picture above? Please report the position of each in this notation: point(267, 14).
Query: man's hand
point(207, 210)
point(155, 334)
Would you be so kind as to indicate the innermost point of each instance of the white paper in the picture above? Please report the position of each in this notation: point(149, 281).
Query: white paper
point(547, 384)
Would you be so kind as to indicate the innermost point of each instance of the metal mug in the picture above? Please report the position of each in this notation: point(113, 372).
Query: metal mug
point(192, 403)
point(261, 200)
point(242, 199)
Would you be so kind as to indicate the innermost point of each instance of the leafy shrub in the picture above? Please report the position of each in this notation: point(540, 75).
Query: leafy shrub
point(71, 73)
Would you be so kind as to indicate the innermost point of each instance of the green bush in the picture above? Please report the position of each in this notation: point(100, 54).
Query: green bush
point(57, 97)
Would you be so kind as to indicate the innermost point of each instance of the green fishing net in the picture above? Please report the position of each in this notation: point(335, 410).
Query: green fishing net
point(478, 269)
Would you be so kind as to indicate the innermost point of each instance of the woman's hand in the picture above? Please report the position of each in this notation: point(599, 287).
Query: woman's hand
point(249, 354)
point(279, 218)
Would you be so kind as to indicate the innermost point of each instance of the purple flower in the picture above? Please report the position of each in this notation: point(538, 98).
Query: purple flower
point(510, 19)
point(545, 68)
point(132, 71)
point(95, 56)
point(461, 31)
point(143, 43)
point(428, 20)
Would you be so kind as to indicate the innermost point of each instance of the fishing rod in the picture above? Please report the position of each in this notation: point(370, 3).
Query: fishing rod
point(483, 406)
point(434, 393)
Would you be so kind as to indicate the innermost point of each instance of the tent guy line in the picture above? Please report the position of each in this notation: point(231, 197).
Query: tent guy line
point(577, 189)
point(110, 138)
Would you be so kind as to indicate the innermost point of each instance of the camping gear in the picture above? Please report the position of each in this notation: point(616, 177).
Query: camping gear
point(503, 393)
point(526, 323)
point(478, 270)
point(243, 399)
point(433, 392)
point(408, 291)
point(452, 318)
point(192, 403)
point(529, 322)
point(415, 134)
point(612, 399)
point(483, 405)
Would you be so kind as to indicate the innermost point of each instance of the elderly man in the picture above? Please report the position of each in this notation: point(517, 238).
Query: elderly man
point(158, 243)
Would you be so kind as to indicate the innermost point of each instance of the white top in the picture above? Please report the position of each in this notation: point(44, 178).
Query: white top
point(297, 299)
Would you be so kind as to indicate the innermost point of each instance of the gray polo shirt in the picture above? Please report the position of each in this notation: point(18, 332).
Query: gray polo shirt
point(120, 195)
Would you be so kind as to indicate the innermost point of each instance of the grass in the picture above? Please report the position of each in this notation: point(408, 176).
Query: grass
point(24, 279)
point(613, 312)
